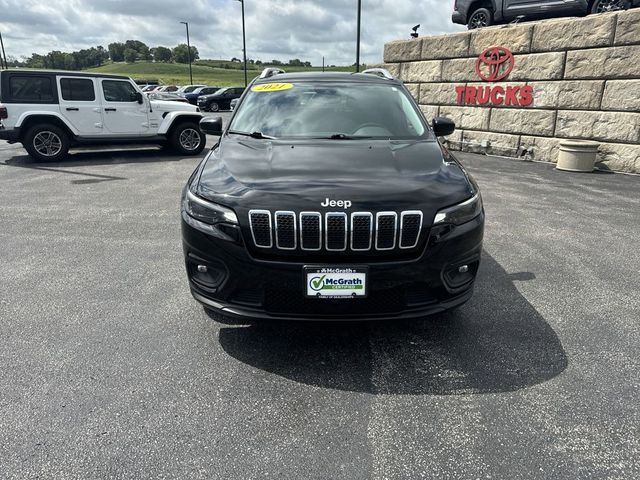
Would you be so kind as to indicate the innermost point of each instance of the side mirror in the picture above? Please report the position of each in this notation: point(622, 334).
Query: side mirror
point(443, 126)
point(138, 97)
point(211, 126)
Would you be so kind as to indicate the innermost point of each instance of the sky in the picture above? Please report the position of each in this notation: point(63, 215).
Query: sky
point(276, 29)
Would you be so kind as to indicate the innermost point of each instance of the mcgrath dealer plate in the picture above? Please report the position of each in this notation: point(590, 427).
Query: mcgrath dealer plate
point(335, 282)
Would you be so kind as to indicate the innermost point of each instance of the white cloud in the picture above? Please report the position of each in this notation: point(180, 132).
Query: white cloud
point(280, 29)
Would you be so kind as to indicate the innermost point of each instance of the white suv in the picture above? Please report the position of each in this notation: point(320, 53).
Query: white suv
point(49, 112)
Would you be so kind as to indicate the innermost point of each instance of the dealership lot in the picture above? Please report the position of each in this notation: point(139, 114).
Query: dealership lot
point(111, 370)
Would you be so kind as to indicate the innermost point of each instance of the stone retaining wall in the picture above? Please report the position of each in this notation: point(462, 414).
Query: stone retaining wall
point(585, 74)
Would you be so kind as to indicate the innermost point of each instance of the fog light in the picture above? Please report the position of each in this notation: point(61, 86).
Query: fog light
point(209, 276)
point(458, 276)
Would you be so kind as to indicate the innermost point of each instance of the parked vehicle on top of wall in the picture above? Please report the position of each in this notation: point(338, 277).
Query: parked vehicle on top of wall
point(50, 112)
point(221, 100)
point(483, 13)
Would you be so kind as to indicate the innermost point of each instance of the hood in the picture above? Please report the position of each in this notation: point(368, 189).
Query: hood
point(245, 173)
point(165, 106)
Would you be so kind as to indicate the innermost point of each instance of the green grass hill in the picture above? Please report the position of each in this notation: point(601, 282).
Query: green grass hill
point(208, 72)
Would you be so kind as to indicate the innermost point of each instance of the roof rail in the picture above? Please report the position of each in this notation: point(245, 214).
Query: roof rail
point(380, 72)
point(270, 72)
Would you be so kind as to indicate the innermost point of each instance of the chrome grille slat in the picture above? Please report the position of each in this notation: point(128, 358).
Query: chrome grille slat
point(361, 231)
point(261, 229)
point(335, 228)
point(336, 231)
point(386, 230)
point(410, 228)
point(310, 231)
point(286, 234)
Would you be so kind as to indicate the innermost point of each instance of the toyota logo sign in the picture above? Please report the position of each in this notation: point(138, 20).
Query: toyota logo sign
point(494, 64)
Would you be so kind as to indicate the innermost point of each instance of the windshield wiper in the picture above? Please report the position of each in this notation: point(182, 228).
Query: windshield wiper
point(252, 134)
point(344, 136)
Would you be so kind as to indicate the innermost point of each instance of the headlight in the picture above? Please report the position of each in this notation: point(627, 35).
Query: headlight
point(207, 212)
point(461, 213)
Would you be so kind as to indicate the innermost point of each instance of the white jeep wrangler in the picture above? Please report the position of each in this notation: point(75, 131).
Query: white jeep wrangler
point(49, 112)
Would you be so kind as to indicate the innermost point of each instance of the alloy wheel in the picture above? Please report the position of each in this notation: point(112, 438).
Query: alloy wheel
point(479, 20)
point(189, 139)
point(610, 6)
point(47, 143)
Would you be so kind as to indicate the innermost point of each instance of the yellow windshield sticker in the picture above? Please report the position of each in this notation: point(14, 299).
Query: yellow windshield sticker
point(272, 87)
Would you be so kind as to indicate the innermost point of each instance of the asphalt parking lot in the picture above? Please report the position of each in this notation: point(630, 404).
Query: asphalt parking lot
point(111, 370)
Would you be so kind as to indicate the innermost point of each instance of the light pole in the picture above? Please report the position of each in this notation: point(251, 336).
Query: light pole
point(244, 44)
point(186, 24)
point(358, 41)
point(2, 54)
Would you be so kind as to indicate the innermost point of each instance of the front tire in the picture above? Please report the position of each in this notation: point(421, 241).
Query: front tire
point(46, 143)
point(187, 139)
point(601, 6)
point(482, 17)
point(214, 107)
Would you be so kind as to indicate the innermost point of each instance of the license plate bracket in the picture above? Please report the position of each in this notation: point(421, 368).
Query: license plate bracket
point(335, 282)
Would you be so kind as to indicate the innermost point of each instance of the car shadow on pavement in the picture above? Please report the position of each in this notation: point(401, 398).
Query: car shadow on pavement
point(497, 342)
point(96, 158)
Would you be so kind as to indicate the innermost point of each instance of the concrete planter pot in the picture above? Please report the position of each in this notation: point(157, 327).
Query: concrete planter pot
point(577, 155)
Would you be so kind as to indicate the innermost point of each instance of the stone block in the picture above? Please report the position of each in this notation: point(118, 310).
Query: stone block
point(622, 95)
point(628, 28)
point(428, 71)
point(491, 143)
point(538, 66)
point(602, 126)
point(619, 157)
point(453, 45)
point(611, 62)
point(473, 118)
point(438, 93)
point(414, 90)
point(403, 50)
point(525, 121)
point(544, 149)
point(459, 70)
point(574, 33)
point(571, 94)
point(516, 38)
point(430, 111)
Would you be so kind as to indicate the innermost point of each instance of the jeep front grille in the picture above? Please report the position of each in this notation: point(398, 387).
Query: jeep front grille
point(336, 231)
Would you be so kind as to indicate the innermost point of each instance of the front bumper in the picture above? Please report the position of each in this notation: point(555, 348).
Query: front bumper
point(11, 135)
point(270, 289)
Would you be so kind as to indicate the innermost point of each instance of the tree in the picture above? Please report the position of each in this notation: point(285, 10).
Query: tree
point(130, 55)
point(141, 48)
point(180, 54)
point(162, 54)
point(116, 51)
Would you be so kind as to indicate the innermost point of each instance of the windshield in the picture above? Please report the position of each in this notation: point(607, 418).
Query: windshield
point(329, 110)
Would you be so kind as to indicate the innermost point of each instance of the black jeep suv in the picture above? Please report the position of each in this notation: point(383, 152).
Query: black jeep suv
point(329, 197)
